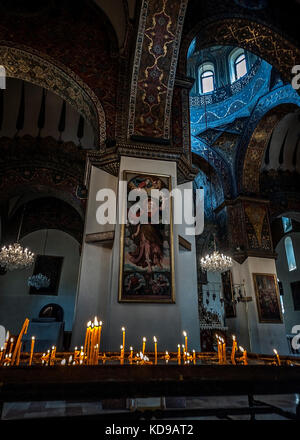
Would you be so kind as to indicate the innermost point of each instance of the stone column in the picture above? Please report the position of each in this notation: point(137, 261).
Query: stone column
point(98, 287)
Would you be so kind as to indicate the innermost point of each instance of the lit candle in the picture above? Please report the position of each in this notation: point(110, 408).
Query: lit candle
point(130, 357)
point(1, 354)
point(185, 341)
point(234, 349)
point(87, 338)
point(53, 353)
point(99, 333)
point(245, 361)
point(144, 345)
point(81, 355)
point(219, 349)
point(94, 342)
point(167, 357)
point(194, 357)
point(11, 345)
point(224, 351)
point(18, 344)
point(123, 333)
point(31, 349)
point(17, 362)
point(91, 345)
point(96, 358)
point(179, 354)
point(121, 355)
point(277, 357)
point(48, 357)
point(6, 342)
point(155, 350)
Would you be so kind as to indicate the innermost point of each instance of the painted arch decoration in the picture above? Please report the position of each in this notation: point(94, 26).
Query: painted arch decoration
point(255, 138)
point(29, 65)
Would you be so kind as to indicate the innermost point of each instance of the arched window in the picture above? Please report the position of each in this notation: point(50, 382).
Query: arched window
point(206, 78)
point(287, 224)
point(290, 256)
point(240, 66)
point(237, 64)
point(207, 81)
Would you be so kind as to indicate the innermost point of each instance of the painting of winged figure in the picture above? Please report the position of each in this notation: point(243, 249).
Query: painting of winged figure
point(146, 272)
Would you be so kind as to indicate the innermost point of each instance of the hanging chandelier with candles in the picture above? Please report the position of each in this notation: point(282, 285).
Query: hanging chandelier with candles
point(216, 262)
point(39, 281)
point(14, 256)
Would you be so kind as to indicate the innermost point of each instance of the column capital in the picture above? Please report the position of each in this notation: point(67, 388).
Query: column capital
point(249, 232)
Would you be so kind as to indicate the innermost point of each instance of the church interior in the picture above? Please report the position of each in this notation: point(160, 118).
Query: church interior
point(112, 319)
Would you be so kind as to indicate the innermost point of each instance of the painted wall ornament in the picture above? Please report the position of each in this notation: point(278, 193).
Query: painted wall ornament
point(155, 60)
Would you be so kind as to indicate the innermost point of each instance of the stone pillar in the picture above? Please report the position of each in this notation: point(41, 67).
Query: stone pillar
point(96, 258)
point(98, 291)
point(250, 242)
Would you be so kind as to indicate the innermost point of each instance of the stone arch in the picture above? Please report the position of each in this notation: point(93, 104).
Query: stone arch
point(245, 33)
point(251, 165)
point(41, 181)
point(30, 65)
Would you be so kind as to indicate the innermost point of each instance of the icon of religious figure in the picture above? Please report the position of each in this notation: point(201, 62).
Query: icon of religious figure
point(146, 270)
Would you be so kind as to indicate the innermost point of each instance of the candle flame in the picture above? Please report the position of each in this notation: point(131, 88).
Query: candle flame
point(154, 339)
point(33, 338)
point(275, 351)
point(184, 333)
point(241, 348)
point(123, 329)
point(144, 339)
point(233, 337)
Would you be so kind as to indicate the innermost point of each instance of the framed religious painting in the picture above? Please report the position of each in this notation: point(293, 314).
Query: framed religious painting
point(227, 287)
point(51, 267)
point(147, 248)
point(267, 298)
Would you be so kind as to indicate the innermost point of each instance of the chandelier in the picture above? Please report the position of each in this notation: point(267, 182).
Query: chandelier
point(39, 281)
point(15, 256)
point(216, 262)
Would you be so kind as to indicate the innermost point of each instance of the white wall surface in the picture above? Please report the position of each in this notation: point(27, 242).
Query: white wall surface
point(16, 303)
point(291, 316)
point(255, 336)
point(95, 265)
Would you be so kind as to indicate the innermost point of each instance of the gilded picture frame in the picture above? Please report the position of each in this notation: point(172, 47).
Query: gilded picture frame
point(267, 298)
point(147, 251)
